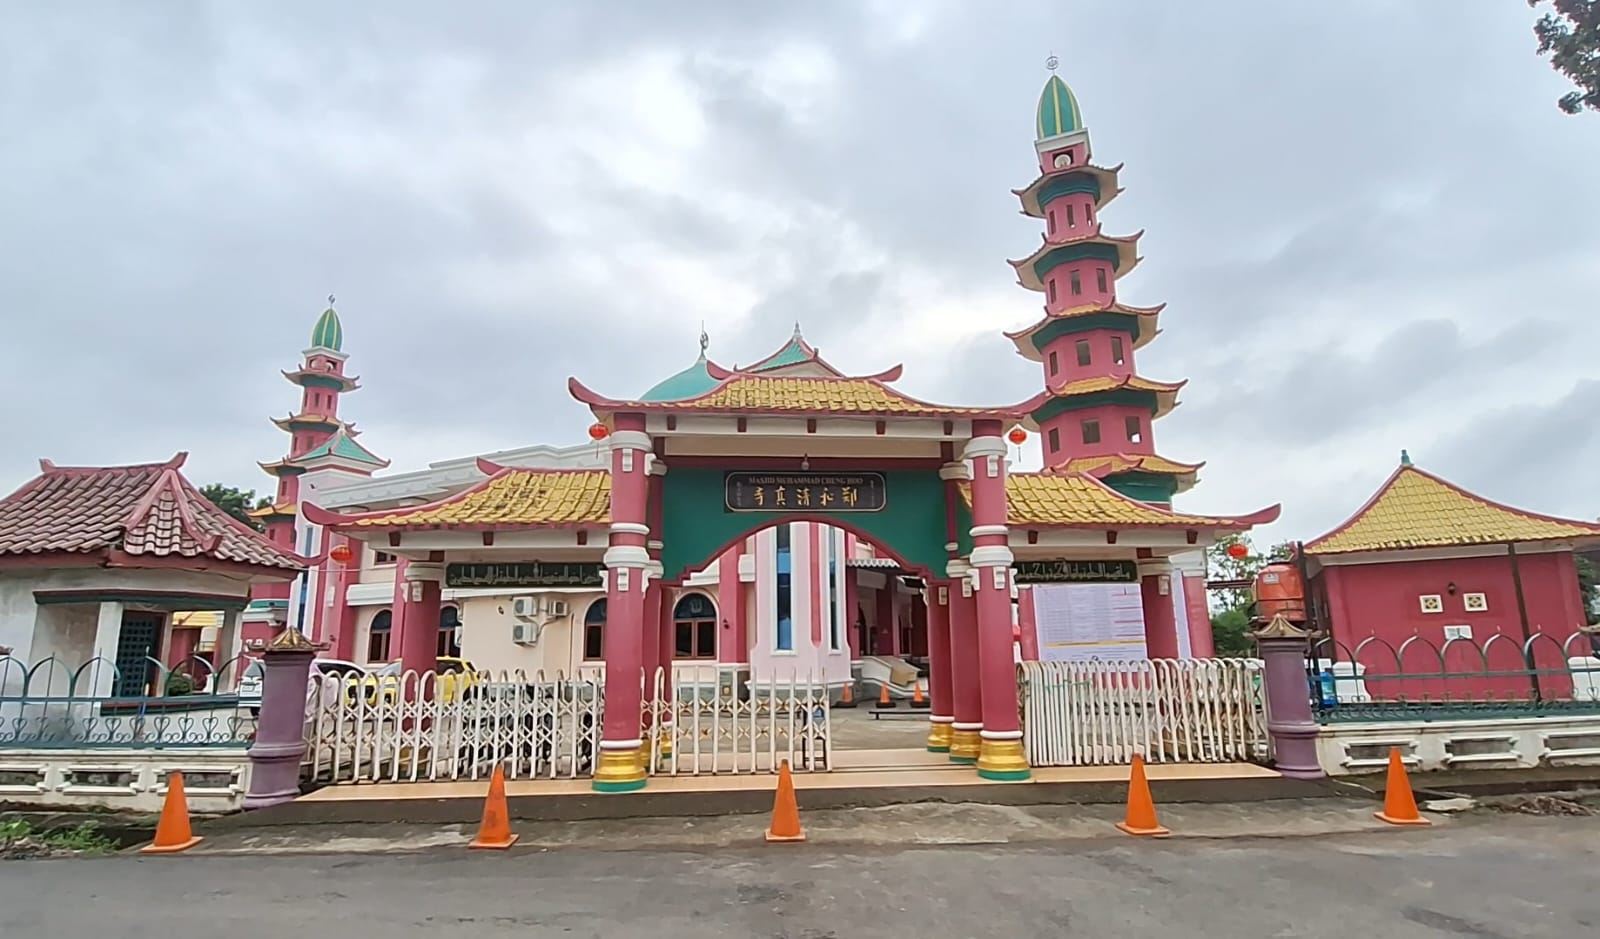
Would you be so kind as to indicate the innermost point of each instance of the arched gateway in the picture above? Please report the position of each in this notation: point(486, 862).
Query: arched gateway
point(728, 467)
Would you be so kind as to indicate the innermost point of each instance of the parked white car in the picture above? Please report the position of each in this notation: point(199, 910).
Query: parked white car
point(333, 671)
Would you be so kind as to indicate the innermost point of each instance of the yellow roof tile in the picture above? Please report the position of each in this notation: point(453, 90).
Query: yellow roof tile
point(1042, 499)
point(1126, 462)
point(1415, 509)
point(848, 395)
point(511, 497)
point(1087, 386)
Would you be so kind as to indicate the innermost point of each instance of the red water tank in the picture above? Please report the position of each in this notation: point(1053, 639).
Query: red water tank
point(1279, 589)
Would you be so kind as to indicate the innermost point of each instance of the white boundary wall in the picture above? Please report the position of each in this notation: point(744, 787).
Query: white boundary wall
point(1511, 743)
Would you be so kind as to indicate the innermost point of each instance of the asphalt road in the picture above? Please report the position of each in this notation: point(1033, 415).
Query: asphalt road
point(1511, 877)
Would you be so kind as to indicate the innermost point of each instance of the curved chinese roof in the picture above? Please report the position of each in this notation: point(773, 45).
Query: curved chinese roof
point(512, 497)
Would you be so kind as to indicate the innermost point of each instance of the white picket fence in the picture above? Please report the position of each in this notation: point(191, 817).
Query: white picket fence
point(430, 727)
point(1099, 712)
point(714, 724)
point(416, 727)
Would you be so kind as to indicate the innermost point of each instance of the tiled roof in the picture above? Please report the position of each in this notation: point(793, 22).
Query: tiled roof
point(342, 445)
point(146, 510)
point(1415, 509)
point(1089, 386)
point(1048, 500)
point(744, 392)
point(511, 497)
point(1113, 463)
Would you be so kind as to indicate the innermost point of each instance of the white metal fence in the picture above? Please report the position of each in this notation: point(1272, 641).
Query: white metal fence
point(1099, 712)
point(719, 722)
point(447, 726)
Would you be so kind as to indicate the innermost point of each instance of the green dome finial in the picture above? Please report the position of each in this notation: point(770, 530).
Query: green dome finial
point(328, 333)
point(1058, 110)
point(1405, 458)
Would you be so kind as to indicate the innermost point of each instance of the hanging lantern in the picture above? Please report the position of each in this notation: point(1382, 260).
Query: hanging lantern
point(1017, 436)
point(598, 431)
point(340, 553)
point(1238, 551)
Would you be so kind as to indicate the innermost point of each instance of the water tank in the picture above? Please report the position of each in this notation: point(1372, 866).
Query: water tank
point(1279, 589)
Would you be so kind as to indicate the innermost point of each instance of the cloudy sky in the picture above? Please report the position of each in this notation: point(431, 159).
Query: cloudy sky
point(1374, 230)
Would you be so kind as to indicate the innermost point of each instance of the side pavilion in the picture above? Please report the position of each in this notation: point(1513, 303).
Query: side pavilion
point(926, 485)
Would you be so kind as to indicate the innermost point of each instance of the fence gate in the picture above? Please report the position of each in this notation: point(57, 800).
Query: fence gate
point(712, 722)
point(1098, 713)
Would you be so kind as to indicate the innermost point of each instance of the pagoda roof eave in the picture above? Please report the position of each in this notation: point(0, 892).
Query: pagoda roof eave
point(1022, 338)
point(1166, 394)
point(872, 394)
point(1416, 510)
point(1106, 176)
point(306, 420)
point(1081, 502)
point(1127, 248)
point(1116, 464)
point(346, 382)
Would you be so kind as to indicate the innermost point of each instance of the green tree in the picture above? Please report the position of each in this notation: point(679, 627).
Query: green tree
point(1569, 33)
point(1230, 616)
point(236, 502)
point(1588, 581)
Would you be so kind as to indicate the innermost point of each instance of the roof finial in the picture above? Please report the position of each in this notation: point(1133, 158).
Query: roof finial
point(705, 340)
point(330, 301)
point(797, 329)
point(1052, 63)
point(1405, 458)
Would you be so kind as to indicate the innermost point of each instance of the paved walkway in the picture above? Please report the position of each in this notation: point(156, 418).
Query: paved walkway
point(1496, 879)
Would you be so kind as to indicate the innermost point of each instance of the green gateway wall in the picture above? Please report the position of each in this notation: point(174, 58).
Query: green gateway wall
point(696, 524)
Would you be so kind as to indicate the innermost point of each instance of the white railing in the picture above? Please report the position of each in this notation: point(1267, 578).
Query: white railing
point(719, 721)
point(1099, 713)
point(427, 726)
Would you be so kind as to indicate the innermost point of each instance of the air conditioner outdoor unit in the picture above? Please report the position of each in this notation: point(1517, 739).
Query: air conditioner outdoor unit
point(525, 607)
point(557, 608)
point(525, 634)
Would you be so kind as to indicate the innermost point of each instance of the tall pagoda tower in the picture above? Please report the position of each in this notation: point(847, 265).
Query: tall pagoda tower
point(1097, 413)
point(318, 440)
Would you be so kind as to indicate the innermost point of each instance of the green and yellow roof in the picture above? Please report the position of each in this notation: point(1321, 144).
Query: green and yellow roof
point(328, 334)
point(1058, 112)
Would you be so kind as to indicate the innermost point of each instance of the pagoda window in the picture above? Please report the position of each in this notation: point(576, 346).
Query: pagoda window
point(1055, 363)
point(1116, 351)
point(1077, 284)
point(1054, 438)
point(449, 643)
point(1088, 212)
point(1100, 279)
point(1072, 221)
point(594, 631)
point(1091, 431)
point(1135, 428)
point(378, 637)
point(1050, 221)
point(1050, 289)
point(783, 633)
point(1085, 354)
point(694, 627)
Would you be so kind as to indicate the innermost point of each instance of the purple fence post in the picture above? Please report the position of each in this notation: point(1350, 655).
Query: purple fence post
point(1294, 730)
point(281, 726)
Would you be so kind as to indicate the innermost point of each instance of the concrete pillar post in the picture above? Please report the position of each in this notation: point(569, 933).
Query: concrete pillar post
point(280, 740)
point(966, 691)
point(419, 630)
point(1002, 755)
point(230, 652)
point(627, 562)
point(1287, 691)
point(107, 636)
point(1160, 621)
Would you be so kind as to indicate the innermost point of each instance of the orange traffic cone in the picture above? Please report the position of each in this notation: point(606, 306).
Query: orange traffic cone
point(884, 701)
point(495, 830)
point(1141, 819)
point(785, 810)
point(172, 831)
point(847, 695)
point(918, 699)
point(1399, 805)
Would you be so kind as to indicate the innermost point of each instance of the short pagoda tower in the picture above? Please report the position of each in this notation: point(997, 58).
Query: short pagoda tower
point(318, 440)
point(1097, 412)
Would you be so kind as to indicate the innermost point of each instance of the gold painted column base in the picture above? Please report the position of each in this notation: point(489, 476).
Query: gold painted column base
point(964, 746)
point(1003, 760)
point(939, 736)
point(620, 771)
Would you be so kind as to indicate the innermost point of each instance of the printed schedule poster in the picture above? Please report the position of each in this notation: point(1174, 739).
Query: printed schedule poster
point(1077, 622)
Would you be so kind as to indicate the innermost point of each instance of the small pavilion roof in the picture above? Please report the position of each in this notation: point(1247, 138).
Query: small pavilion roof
point(1077, 500)
point(342, 447)
point(793, 353)
point(510, 498)
point(1113, 464)
point(130, 515)
point(1416, 509)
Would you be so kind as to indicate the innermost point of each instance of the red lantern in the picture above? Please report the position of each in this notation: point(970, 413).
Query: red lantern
point(598, 431)
point(1017, 436)
point(340, 553)
point(1238, 551)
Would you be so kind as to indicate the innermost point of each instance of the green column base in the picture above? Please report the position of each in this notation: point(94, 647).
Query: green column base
point(934, 749)
point(968, 760)
point(1005, 775)
point(632, 785)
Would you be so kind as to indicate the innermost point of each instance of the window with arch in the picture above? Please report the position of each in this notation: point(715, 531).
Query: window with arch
point(694, 627)
point(378, 637)
point(449, 645)
point(594, 631)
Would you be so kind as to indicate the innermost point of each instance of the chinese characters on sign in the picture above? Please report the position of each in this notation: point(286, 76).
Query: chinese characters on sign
point(804, 492)
point(523, 574)
point(1063, 571)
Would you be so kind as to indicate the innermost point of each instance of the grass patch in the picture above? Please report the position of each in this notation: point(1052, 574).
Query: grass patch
point(19, 839)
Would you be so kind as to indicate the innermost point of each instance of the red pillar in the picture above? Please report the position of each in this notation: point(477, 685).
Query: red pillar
point(340, 621)
point(852, 596)
point(1160, 624)
point(941, 710)
point(1002, 755)
point(1027, 625)
point(730, 608)
point(1202, 645)
point(419, 617)
point(885, 639)
point(627, 562)
point(966, 695)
